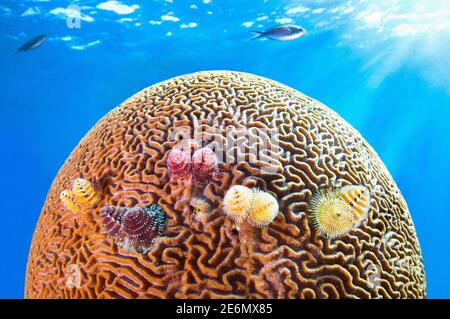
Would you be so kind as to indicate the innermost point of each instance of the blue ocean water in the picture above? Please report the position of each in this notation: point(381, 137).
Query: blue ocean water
point(382, 65)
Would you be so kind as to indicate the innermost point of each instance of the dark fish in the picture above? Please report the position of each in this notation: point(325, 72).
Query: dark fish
point(282, 33)
point(32, 43)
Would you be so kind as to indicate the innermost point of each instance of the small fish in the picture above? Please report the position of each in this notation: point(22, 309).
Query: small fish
point(281, 33)
point(32, 43)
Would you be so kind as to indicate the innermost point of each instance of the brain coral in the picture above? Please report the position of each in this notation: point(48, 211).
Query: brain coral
point(209, 255)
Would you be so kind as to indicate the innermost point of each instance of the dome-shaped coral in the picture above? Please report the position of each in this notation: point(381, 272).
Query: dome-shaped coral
point(303, 147)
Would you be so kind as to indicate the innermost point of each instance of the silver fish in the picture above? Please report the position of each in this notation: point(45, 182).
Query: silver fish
point(33, 43)
point(282, 33)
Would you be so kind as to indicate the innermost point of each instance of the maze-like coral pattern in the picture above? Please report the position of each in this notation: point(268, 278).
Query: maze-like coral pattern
point(208, 256)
